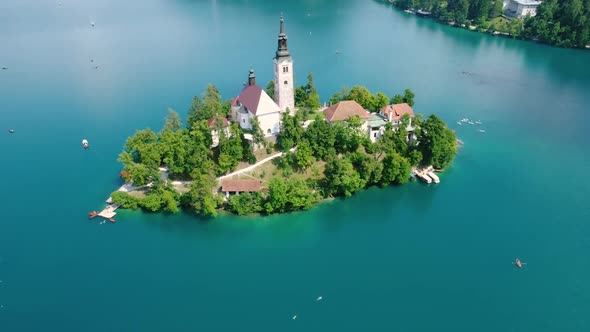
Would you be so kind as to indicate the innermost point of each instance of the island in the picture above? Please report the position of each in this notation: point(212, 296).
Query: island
point(561, 23)
point(277, 150)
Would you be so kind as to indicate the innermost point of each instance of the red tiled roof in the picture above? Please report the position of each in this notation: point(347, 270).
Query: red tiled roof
point(344, 110)
point(211, 122)
point(250, 97)
point(240, 185)
point(397, 111)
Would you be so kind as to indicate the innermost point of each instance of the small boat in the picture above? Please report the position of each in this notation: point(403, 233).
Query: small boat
point(11, 131)
point(4, 68)
point(294, 317)
point(459, 123)
point(518, 263)
point(85, 144)
point(481, 131)
point(319, 298)
point(92, 214)
point(477, 122)
point(112, 219)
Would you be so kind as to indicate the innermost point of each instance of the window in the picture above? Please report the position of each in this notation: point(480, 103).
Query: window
point(374, 134)
point(285, 69)
point(268, 131)
point(243, 120)
point(285, 82)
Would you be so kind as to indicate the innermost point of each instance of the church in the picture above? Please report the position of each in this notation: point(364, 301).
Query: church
point(254, 102)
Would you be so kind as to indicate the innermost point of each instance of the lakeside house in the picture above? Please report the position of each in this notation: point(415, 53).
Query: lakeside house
point(521, 8)
point(215, 127)
point(232, 187)
point(254, 102)
point(374, 124)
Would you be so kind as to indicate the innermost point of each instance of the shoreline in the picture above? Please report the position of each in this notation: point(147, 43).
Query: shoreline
point(471, 27)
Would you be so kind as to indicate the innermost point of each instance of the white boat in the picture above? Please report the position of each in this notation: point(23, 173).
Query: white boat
point(85, 144)
point(482, 131)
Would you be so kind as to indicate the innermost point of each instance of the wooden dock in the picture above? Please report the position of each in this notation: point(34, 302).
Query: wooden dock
point(109, 211)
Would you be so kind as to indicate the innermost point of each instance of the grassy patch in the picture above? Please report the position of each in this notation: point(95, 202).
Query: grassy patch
point(500, 23)
point(138, 193)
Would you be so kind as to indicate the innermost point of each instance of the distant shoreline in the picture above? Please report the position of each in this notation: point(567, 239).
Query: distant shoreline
point(475, 28)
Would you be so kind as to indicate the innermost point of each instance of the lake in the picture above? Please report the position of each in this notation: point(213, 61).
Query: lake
point(411, 258)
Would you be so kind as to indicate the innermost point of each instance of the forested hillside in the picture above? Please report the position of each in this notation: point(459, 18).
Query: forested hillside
point(564, 23)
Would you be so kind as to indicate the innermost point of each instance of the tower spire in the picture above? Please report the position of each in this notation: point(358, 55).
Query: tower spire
point(282, 51)
point(251, 77)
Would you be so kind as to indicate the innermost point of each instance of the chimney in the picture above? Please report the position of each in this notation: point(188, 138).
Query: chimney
point(251, 77)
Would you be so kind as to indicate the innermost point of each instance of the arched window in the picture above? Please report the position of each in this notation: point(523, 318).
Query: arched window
point(268, 131)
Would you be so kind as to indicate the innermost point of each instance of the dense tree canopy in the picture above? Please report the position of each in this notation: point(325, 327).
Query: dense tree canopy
point(369, 101)
point(563, 23)
point(349, 159)
point(437, 142)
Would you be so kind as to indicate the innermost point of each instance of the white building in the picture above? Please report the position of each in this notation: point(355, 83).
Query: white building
point(284, 91)
point(215, 127)
point(254, 102)
point(521, 8)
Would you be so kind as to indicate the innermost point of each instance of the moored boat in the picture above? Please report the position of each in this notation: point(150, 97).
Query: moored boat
point(518, 263)
point(85, 144)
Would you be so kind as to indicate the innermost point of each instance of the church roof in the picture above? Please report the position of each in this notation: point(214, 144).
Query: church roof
point(344, 110)
point(256, 100)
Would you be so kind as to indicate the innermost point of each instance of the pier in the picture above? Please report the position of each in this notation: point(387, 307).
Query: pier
point(107, 213)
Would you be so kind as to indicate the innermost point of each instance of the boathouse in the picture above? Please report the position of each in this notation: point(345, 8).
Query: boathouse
point(231, 187)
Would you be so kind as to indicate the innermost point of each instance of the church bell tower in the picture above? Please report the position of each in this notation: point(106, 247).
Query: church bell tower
point(284, 91)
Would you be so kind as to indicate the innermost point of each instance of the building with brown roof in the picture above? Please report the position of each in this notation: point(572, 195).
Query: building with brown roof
point(255, 102)
point(229, 187)
point(344, 110)
point(394, 113)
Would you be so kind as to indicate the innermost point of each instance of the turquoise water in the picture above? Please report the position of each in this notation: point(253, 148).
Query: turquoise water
point(410, 258)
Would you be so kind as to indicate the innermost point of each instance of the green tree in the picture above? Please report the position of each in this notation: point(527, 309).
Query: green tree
point(201, 197)
point(204, 109)
point(175, 149)
point(304, 155)
point(339, 96)
point(285, 195)
point(172, 121)
point(313, 98)
point(270, 89)
point(321, 137)
point(341, 178)
point(300, 96)
point(257, 135)
point(397, 99)
point(396, 169)
point(230, 150)
point(125, 200)
point(363, 96)
point(245, 203)
point(409, 97)
point(291, 131)
point(380, 100)
point(437, 142)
